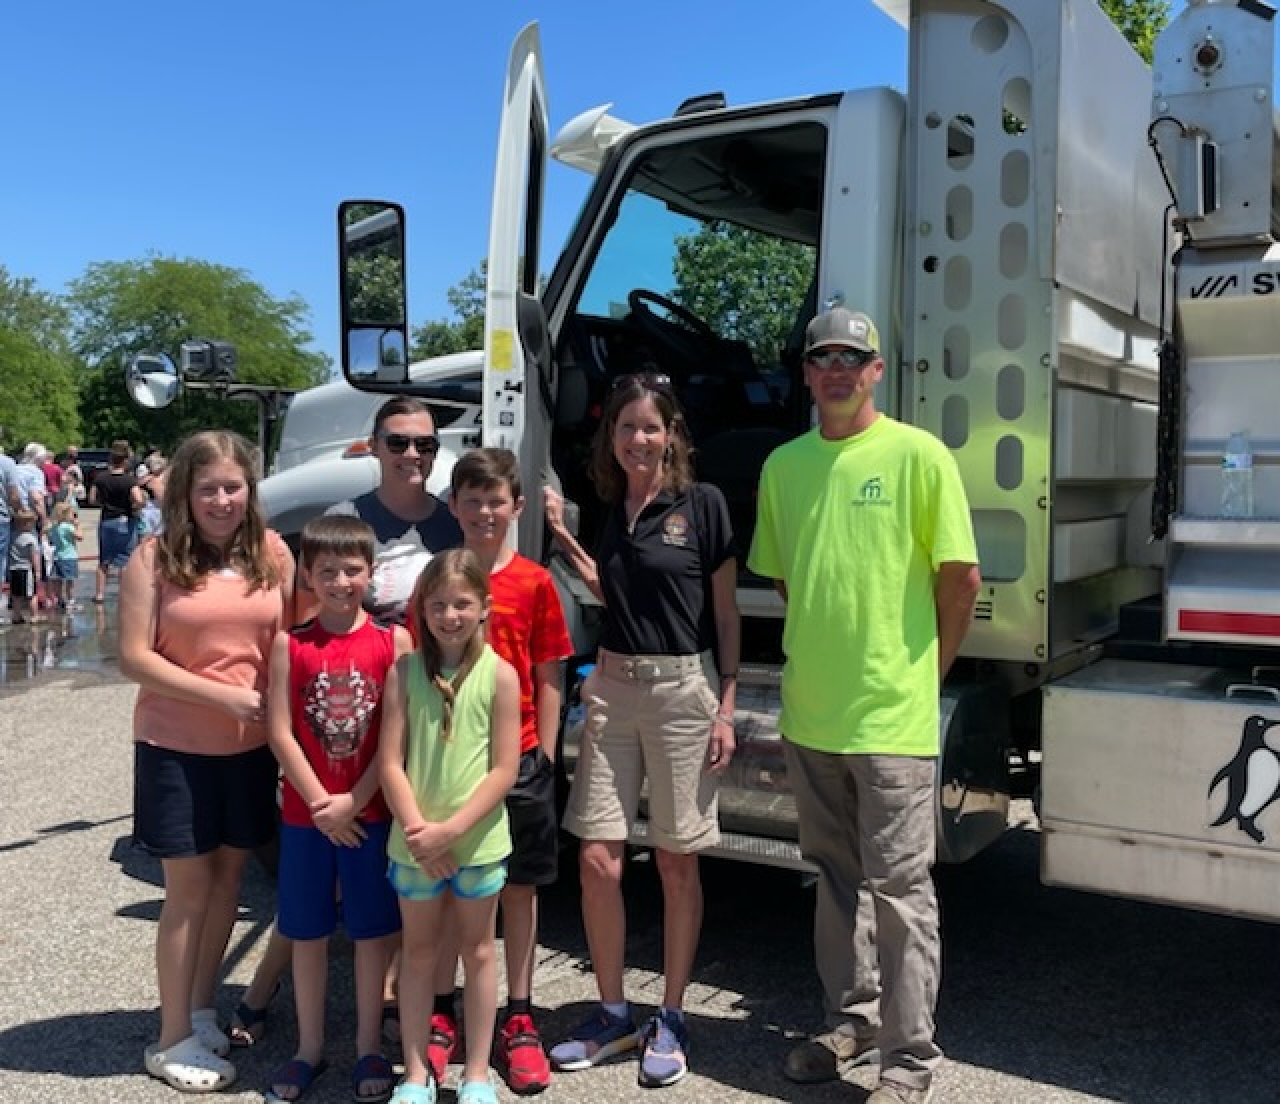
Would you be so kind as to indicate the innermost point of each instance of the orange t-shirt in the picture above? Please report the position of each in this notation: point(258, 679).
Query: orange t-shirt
point(221, 632)
point(527, 627)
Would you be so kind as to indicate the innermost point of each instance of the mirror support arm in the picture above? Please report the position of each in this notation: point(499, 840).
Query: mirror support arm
point(272, 402)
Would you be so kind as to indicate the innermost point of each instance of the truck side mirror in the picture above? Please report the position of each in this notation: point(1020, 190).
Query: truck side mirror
point(375, 330)
point(152, 380)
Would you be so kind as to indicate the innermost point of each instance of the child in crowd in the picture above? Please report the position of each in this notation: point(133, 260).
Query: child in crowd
point(326, 687)
point(527, 628)
point(64, 535)
point(449, 754)
point(24, 567)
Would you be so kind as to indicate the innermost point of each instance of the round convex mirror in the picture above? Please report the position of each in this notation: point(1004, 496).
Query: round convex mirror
point(152, 380)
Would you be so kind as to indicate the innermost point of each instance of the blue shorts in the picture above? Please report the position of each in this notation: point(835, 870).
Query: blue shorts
point(471, 883)
point(117, 538)
point(65, 569)
point(312, 867)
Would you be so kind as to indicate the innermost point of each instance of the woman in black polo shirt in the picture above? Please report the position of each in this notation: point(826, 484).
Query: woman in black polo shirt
point(666, 571)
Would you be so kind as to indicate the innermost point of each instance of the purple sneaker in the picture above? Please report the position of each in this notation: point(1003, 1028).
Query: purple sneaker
point(666, 1041)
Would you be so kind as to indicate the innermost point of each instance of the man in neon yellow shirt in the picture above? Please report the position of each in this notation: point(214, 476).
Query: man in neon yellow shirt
point(864, 527)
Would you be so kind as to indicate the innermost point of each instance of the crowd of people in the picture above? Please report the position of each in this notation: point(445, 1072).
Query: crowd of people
point(405, 678)
point(41, 498)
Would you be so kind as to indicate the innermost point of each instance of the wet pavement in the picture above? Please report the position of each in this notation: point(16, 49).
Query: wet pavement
point(81, 639)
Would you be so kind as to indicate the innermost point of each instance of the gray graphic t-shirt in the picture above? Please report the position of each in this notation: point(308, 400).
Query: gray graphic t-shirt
point(404, 549)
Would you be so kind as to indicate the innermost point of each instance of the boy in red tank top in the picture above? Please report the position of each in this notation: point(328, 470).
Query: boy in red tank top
point(527, 628)
point(325, 712)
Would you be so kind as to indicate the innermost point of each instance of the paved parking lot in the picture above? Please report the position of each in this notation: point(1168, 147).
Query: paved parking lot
point(1048, 995)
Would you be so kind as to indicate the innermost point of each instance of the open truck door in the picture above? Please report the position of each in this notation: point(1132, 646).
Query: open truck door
point(519, 370)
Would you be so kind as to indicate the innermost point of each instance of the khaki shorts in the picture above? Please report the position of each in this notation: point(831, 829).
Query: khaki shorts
point(647, 717)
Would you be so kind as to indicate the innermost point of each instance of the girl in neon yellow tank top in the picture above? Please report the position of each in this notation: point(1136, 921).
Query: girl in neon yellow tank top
point(449, 752)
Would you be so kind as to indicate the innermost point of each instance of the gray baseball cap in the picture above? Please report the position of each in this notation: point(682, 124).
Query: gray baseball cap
point(846, 328)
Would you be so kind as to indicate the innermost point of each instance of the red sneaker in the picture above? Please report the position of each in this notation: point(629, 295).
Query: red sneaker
point(520, 1057)
point(442, 1044)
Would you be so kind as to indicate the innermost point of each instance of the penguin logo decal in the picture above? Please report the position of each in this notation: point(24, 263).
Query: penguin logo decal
point(1252, 777)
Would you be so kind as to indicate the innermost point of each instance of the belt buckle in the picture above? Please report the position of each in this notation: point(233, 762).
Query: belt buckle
point(642, 670)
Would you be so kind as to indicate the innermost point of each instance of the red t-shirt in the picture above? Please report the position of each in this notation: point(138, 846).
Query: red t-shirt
point(527, 627)
point(52, 477)
point(335, 691)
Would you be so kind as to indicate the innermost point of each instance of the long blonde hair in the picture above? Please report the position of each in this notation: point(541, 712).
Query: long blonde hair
point(182, 557)
point(460, 565)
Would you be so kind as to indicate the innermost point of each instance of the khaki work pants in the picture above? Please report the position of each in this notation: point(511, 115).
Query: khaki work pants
point(866, 823)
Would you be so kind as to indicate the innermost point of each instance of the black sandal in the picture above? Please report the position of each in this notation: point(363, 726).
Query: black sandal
point(248, 1026)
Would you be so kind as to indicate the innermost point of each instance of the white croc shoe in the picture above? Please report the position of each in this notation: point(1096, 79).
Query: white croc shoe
point(204, 1023)
point(189, 1066)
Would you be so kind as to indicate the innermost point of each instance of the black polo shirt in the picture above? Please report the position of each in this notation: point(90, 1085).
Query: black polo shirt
point(657, 578)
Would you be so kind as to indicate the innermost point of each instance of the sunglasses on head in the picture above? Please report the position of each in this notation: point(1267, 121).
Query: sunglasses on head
point(398, 443)
point(650, 381)
point(823, 359)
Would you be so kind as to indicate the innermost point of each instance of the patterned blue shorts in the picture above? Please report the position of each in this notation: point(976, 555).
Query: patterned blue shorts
point(469, 883)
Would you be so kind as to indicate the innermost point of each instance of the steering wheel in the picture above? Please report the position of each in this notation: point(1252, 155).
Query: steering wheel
point(684, 335)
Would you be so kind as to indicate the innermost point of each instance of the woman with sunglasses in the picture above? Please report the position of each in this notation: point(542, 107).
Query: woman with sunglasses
point(660, 705)
point(410, 523)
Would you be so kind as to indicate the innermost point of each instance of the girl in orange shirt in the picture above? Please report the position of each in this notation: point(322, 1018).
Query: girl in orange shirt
point(200, 605)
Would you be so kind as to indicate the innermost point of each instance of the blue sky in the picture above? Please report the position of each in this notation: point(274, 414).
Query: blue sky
point(229, 131)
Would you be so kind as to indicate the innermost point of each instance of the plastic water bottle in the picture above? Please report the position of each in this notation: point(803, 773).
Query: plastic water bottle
point(1237, 477)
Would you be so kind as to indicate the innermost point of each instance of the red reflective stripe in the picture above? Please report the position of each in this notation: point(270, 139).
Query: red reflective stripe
point(1237, 624)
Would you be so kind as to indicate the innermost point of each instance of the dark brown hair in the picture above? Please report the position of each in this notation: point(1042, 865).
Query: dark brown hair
point(401, 404)
point(454, 564)
point(337, 535)
point(485, 468)
point(182, 557)
point(607, 475)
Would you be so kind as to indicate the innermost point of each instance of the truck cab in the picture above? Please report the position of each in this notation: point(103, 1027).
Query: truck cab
point(1006, 225)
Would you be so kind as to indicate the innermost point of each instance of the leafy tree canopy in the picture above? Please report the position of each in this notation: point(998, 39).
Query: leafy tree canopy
point(743, 284)
point(124, 307)
point(466, 329)
point(1140, 21)
point(38, 395)
point(38, 371)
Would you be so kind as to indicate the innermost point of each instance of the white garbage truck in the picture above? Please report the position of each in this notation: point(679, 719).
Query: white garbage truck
point(1072, 260)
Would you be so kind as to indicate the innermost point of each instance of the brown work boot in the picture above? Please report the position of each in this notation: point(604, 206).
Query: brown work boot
point(828, 1056)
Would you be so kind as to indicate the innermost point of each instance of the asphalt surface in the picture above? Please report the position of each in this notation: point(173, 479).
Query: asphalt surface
point(1048, 995)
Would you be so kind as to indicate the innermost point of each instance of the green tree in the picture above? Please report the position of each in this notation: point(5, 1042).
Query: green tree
point(43, 317)
point(466, 329)
point(1140, 21)
point(743, 284)
point(124, 307)
point(38, 394)
point(39, 373)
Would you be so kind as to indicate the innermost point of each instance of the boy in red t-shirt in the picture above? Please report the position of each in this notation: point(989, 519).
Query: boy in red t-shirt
point(324, 716)
point(527, 628)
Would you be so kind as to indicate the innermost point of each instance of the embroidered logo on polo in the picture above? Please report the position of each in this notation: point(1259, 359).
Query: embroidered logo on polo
point(675, 530)
point(873, 493)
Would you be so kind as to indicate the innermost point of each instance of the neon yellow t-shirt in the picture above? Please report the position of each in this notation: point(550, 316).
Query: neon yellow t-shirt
point(857, 529)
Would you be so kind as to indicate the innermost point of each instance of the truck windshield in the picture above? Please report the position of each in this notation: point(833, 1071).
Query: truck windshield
point(706, 272)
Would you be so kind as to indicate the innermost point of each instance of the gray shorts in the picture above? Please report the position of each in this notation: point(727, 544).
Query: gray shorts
point(648, 717)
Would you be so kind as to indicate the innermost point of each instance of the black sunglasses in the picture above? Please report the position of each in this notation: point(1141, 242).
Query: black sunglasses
point(650, 381)
point(826, 359)
point(398, 443)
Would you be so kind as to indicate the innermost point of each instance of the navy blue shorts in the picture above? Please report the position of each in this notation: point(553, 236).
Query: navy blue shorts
point(312, 867)
point(186, 805)
point(535, 831)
